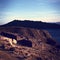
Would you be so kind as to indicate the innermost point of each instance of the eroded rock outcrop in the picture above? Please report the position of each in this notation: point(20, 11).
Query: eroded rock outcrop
point(32, 44)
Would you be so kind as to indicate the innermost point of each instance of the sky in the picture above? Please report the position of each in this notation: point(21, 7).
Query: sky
point(36, 10)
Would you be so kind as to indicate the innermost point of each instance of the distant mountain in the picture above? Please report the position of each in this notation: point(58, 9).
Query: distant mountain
point(58, 23)
point(31, 24)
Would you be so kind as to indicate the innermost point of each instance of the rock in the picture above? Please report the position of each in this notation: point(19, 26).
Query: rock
point(31, 44)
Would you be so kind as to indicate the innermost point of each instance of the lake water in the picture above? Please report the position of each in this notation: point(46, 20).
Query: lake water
point(55, 34)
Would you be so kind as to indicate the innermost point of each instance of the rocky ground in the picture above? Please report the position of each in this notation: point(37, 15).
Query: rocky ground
point(44, 47)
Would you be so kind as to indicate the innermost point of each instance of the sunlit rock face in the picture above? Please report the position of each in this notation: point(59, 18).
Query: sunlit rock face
point(30, 44)
point(14, 41)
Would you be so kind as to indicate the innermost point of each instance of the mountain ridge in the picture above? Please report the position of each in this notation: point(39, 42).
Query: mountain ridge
point(31, 24)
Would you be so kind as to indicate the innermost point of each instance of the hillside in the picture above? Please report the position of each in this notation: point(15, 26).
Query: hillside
point(32, 24)
point(32, 44)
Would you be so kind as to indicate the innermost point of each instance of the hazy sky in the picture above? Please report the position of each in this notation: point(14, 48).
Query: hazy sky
point(40, 10)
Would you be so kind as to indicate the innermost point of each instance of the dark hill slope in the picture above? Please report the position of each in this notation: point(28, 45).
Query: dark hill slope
point(32, 24)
